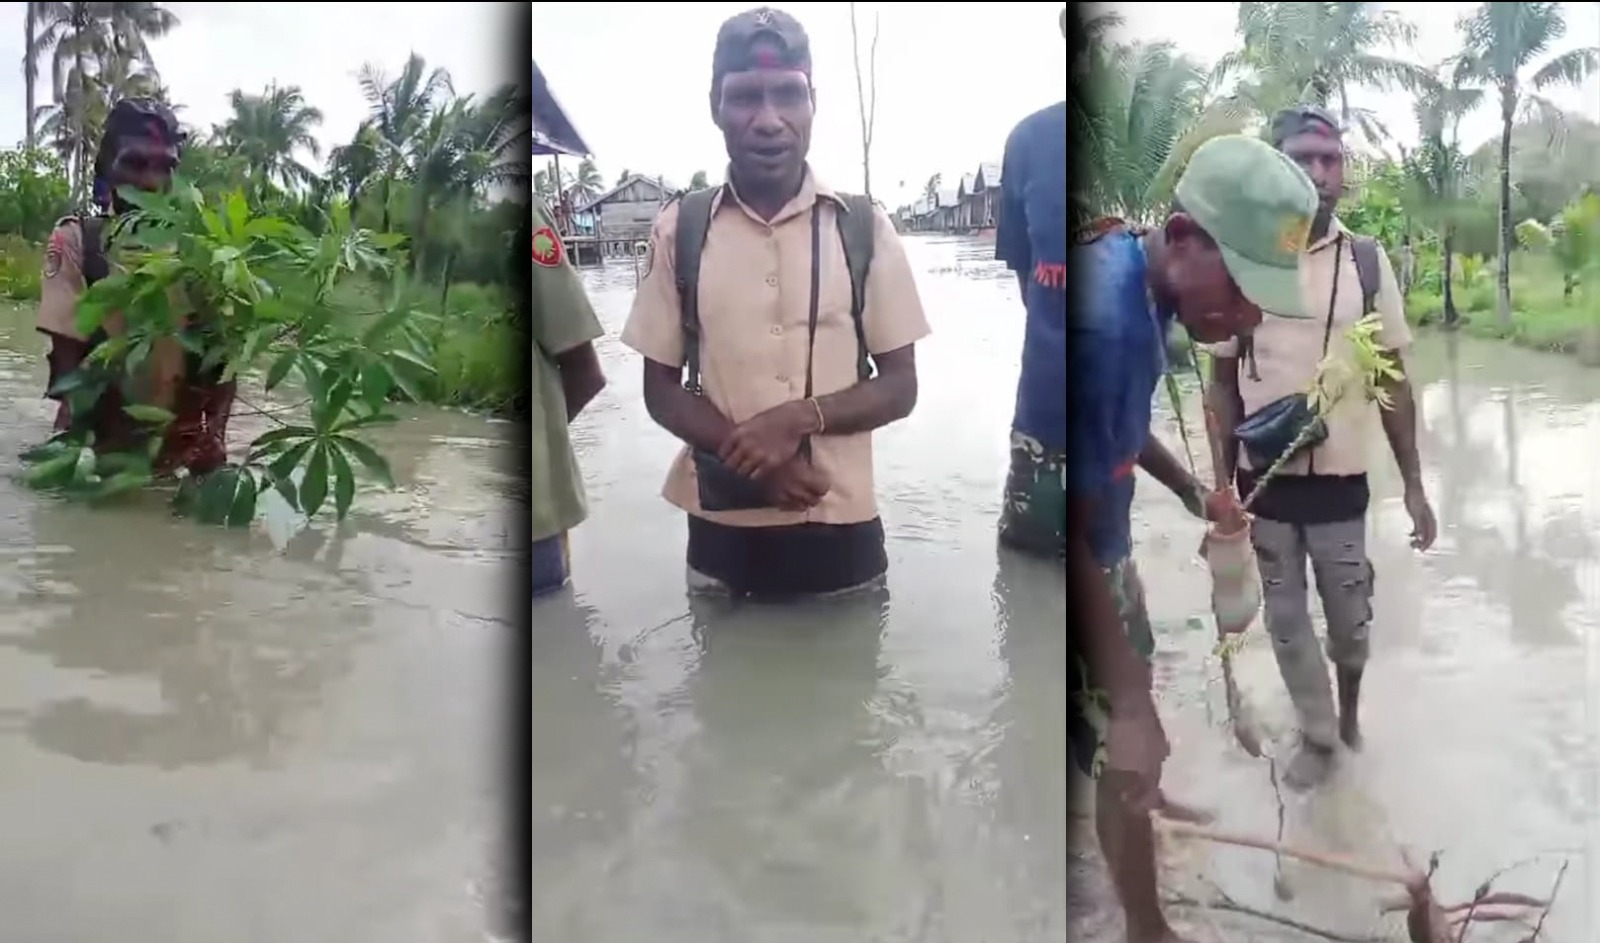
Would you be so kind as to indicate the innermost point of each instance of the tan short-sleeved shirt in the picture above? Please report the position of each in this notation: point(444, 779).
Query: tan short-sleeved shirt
point(60, 287)
point(1287, 352)
point(754, 316)
point(563, 319)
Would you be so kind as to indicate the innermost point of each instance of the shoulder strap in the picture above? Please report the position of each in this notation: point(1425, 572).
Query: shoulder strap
point(856, 231)
point(1365, 249)
point(95, 266)
point(694, 221)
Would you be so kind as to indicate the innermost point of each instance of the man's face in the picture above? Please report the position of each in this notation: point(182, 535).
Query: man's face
point(1321, 156)
point(765, 117)
point(144, 163)
point(1209, 304)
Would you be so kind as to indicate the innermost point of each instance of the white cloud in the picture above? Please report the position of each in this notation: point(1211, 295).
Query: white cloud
point(319, 47)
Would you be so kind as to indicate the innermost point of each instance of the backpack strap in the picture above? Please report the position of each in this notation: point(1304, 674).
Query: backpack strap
point(1365, 250)
point(694, 222)
point(857, 223)
point(856, 227)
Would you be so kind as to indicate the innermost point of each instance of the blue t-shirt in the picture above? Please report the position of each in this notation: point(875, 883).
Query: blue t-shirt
point(1031, 238)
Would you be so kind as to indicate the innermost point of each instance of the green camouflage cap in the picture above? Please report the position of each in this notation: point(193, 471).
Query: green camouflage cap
point(1258, 206)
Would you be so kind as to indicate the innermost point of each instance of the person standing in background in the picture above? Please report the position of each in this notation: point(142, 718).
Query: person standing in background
point(1316, 510)
point(566, 378)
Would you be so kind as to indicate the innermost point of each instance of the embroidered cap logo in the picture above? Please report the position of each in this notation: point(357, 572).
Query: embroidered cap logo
point(1296, 233)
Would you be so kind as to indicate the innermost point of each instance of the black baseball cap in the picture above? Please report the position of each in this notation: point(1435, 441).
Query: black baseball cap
point(737, 49)
point(1304, 119)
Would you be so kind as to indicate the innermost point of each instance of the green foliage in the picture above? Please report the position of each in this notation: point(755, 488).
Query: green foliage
point(33, 193)
point(264, 292)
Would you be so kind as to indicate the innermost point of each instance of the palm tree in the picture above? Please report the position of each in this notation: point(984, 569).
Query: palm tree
point(1316, 53)
point(931, 189)
point(30, 72)
point(268, 131)
point(399, 111)
point(355, 165)
point(587, 182)
point(1501, 41)
point(699, 181)
point(1142, 119)
point(1439, 171)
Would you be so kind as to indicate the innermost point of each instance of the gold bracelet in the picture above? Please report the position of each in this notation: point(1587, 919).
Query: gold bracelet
point(822, 422)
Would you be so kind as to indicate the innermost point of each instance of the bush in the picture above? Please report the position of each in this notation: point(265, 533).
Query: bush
point(21, 267)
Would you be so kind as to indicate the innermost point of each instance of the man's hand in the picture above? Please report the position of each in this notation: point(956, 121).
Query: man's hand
point(1424, 529)
point(1223, 507)
point(1136, 747)
point(759, 445)
point(798, 485)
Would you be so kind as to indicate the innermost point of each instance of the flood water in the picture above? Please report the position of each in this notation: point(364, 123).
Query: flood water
point(210, 735)
point(895, 770)
point(207, 736)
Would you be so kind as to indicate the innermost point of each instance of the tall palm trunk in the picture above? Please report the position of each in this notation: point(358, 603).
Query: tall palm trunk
point(30, 73)
point(1508, 111)
point(80, 119)
point(1447, 249)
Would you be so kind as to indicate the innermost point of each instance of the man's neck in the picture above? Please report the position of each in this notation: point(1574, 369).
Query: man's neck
point(1321, 225)
point(1155, 255)
point(768, 202)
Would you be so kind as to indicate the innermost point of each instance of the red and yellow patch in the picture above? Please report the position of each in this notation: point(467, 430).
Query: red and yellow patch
point(53, 253)
point(547, 248)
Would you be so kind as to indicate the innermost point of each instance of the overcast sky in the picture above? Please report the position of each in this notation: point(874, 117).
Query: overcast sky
point(953, 78)
point(1206, 30)
point(222, 46)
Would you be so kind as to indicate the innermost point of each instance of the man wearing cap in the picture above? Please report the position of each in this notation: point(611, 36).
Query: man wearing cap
point(140, 149)
point(1316, 509)
point(566, 377)
point(1229, 248)
point(796, 361)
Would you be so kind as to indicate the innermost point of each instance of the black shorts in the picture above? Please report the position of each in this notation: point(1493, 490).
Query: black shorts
point(794, 560)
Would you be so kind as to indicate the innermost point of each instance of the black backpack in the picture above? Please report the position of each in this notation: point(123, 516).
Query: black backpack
point(694, 222)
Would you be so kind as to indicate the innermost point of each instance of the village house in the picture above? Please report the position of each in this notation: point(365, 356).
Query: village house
point(622, 216)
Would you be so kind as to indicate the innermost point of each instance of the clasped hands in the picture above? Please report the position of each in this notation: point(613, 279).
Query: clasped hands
point(766, 448)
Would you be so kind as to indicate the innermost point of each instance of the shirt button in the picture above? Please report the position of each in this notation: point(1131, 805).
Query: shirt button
point(772, 280)
point(783, 378)
point(776, 330)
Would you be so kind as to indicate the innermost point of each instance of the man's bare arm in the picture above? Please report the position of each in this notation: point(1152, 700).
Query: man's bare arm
point(581, 377)
point(1113, 664)
point(1400, 426)
point(689, 417)
point(872, 404)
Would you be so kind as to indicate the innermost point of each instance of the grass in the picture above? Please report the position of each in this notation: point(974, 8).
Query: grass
point(477, 357)
point(1541, 319)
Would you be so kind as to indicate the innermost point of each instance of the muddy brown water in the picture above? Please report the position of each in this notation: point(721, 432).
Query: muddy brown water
point(214, 735)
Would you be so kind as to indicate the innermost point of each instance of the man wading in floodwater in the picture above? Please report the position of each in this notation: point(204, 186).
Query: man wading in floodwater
point(771, 348)
point(140, 149)
point(1229, 249)
point(1317, 507)
point(566, 377)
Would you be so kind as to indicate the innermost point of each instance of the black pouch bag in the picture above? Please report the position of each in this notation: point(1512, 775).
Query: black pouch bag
point(1267, 434)
point(723, 489)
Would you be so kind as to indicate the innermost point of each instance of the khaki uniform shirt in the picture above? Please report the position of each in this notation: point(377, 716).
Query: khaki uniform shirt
point(1288, 351)
point(63, 284)
point(563, 319)
point(755, 283)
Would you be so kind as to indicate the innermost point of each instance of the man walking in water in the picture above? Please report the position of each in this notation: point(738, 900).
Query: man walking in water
point(778, 320)
point(566, 377)
point(1228, 249)
point(139, 149)
point(1316, 509)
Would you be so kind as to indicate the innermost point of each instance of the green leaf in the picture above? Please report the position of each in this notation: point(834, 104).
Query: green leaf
point(54, 472)
point(243, 510)
point(216, 495)
point(151, 414)
point(280, 434)
point(290, 460)
point(338, 397)
point(314, 486)
point(344, 483)
point(376, 382)
point(392, 319)
point(311, 373)
point(368, 457)
point(238, 212)
point(412, 360)
point(280, 368)
point(121, 483)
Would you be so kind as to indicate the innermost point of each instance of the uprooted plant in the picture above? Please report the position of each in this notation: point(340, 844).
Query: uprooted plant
point(262, 294)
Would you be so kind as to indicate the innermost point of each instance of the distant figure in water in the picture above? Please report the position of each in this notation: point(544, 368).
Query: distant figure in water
point(566, 378)
point(140, 149)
